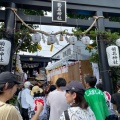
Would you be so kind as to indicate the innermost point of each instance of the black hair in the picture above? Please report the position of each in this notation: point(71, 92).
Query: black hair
point(30, 87)
point(52, 87)
point(91, 80)
point(60, 82)
point(80, 100)
point(38, 94)
point(10, 85)
point(99, 86)
point(118, 84)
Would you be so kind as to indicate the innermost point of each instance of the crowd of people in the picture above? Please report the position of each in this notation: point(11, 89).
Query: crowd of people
point(62, 101)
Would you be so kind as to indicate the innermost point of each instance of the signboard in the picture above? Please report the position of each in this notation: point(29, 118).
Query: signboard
point(58, 11)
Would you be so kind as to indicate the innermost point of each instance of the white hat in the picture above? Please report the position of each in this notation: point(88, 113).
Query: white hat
point(27, 84)
point(36, 89)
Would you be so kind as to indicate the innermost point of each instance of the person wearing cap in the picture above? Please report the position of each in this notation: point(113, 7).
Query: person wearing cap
point(26, 100)
point(79, 109)
point(95, 98)
point(38, 95)
point(115, 99)
point(8, 87)
point(56, 100)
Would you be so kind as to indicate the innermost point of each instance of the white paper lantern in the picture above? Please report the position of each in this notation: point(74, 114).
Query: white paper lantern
point(36, 37)
point(51, 39)
point(113, 55)
point(72, 40)
point(118, 42)
point(5, 49)
point(85, 40)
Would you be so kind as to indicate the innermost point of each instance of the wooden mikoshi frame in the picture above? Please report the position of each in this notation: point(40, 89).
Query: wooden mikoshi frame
point(76, 71)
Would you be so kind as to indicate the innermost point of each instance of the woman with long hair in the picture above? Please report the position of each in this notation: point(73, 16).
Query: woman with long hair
point(79, 109)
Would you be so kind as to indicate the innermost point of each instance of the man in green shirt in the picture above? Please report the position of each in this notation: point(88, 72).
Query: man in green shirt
point(95, 98)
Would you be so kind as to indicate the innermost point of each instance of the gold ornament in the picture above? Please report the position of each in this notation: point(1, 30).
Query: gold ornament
point(61, 37)
point(89, 46)
point(51, 47)
point(39, 46)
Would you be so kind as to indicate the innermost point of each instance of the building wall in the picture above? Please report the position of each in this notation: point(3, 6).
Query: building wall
point(64, 52)
point(82, 53)
point(78, 48)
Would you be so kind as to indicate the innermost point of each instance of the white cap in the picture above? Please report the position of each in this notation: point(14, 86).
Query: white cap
point(27, 84)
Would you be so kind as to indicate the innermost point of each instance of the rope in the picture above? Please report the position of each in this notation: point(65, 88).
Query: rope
point(59, 32)
point(31, 29)
point(96, 18)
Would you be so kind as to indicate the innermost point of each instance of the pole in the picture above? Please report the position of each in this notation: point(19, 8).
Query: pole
point(103, 62)
point(9, 32)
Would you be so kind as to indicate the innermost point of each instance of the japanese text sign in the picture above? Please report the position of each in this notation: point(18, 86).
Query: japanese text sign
point(58, 11)
point(113, 55)
point(5, 49)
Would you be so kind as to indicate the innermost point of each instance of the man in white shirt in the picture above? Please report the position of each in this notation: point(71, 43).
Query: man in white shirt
point(56, 100)
point(26, 100)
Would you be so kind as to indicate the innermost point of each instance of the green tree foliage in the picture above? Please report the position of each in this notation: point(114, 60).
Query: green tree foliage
point(109, 38)
point(22, 31)
point(33, 12)
point(19, 35)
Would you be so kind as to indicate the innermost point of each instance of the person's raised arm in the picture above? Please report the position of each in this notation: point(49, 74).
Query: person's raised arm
point(39, 109)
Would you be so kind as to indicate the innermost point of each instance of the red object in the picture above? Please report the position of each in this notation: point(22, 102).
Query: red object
point(108, 95)
point(38, 100)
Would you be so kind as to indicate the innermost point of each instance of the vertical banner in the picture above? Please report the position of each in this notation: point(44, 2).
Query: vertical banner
point(58, 11)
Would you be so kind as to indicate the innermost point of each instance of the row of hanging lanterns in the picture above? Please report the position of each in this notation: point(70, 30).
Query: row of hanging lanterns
point(5, 45)
point(5, 48)
point(36, 38)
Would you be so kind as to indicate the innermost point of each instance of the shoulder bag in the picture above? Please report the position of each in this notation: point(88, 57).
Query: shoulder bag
point(66, 115)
